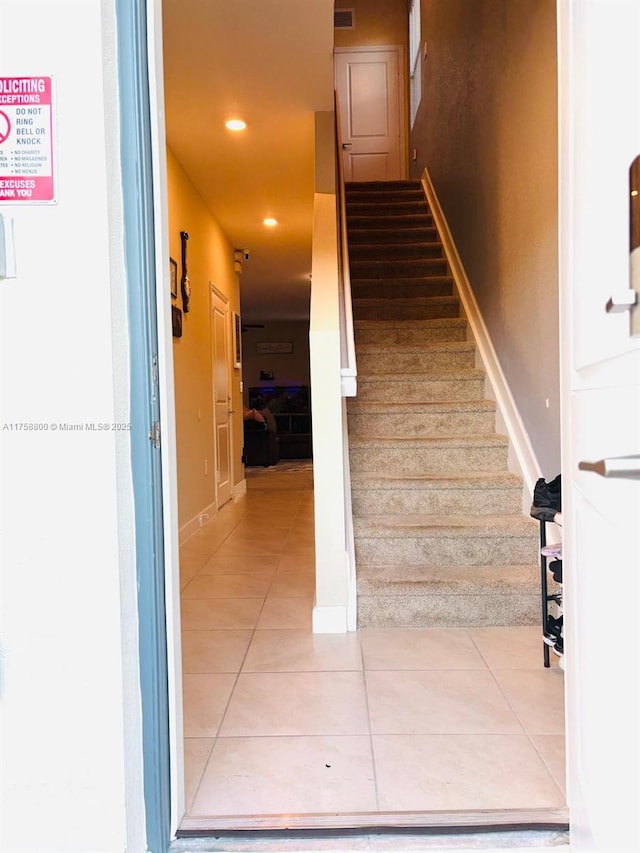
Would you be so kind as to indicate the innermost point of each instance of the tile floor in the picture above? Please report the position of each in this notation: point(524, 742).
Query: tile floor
point(279, 721)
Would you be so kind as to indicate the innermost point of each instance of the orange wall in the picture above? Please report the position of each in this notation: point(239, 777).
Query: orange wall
point(210, 259)
point(376, 22)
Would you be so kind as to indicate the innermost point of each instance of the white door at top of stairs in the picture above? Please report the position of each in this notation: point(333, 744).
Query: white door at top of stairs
point(369, 85)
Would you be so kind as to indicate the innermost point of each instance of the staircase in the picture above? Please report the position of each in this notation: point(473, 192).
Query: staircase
point(440, 537)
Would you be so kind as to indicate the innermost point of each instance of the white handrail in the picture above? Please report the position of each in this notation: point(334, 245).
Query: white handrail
point(348, 367)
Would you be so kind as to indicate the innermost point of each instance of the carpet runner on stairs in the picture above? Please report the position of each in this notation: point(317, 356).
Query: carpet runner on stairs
point(440, 536)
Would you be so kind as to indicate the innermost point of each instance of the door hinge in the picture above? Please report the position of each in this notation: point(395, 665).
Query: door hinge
point(154, 434)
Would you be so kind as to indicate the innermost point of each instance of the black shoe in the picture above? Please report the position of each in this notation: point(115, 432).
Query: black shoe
point(547, 499)
point(555, 567)
point(552, 631)
point(558, 646)
point(543, 513)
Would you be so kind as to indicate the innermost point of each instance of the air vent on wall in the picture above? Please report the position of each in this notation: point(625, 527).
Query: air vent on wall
point(343, 19)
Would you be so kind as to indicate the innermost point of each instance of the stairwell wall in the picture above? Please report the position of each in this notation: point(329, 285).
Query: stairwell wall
point(487, 132)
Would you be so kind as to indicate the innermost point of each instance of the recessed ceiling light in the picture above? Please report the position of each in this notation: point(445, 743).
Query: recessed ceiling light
point(269, 221)
point(235, 124)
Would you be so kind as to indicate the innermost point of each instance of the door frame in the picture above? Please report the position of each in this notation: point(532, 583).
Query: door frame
point(402, 91)
point(155, 83)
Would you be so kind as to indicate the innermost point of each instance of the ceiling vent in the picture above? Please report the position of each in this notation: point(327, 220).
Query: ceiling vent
point(343, 19)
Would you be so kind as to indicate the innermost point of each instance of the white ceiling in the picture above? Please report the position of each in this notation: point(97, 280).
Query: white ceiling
point(269, 62)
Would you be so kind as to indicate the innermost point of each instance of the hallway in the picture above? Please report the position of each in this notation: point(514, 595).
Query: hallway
point(378, 727)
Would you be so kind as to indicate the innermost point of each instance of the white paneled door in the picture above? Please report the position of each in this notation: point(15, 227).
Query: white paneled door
point(368, 82)
point(599, 65)
point(221, 396)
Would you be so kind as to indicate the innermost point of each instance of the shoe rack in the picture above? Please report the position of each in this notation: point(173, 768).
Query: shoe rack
point(551, 590)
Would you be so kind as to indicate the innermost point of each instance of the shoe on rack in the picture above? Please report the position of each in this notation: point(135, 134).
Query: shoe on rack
point(558, 646)
point(554, 551)
point(543, 513)
point(555, 567)
point(547, 499)
point(552, 631)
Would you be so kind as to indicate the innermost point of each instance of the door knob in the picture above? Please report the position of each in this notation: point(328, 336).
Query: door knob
point(618, 467)
point(346, 145)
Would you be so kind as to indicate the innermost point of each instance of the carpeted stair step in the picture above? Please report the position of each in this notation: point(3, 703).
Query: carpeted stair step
point(484, 493)
point(407, 419)
point(401, 288)
point(373, 359)
point(383, 190)
point(368, 268)
point(384, 209)
point(399, 595)
point(417, 308)
point(430, 541)
point(416, 455)
point(392, 235)
point(454, 385)
point(385, 331)
point(389, 222)
point(424, 250)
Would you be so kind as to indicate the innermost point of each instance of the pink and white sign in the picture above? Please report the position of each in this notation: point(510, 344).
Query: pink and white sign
point(26, 140)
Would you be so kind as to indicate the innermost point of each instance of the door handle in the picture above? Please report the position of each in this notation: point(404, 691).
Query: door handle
point(621, 302)
point(346, 145)
point(616, 467)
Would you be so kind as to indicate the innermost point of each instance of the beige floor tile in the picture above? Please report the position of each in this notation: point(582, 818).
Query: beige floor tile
point(537, 698)
point(286, 613)
point(300, 549)
point(214, 651)
point(298, 564)
point(450, 772)
point(188, 570)
point(443, 702)
point(265, 565)
point(220, 613)
point(292, 585)
point(297, 703)
point(271, 525)
point(242, 544)
point(196, 755)
point(552, 748)
point(518, 647)
point(205, 698)
point(300, 651)
point(245, 585)
point(332, 774)
point(419, 648)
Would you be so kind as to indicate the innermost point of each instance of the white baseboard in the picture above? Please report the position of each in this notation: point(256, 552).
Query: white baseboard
point(329, 619)
point(522, 459)
point(187, 530)
point(239, 490)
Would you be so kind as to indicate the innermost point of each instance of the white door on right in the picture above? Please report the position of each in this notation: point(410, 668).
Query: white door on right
point(368, 82)
point(599, 72)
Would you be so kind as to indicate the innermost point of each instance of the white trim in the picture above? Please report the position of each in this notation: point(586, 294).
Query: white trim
point(187, 530)
point(239, 490)
point(167, 411)
point(522, 459)
point(329, 619)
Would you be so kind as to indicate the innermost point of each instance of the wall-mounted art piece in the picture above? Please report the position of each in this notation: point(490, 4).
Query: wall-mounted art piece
point(173, 278)
point(176, 321)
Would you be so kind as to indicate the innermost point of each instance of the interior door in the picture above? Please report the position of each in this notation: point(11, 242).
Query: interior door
point(600, 137)
point(368, 82)
point(221, 396)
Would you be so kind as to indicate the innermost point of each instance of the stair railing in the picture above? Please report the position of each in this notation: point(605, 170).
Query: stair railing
point(333, 378)
point(348, 368)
